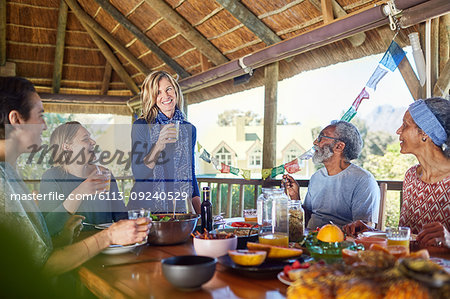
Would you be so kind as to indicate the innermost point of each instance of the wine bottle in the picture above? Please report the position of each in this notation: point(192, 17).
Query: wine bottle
point(206, 211)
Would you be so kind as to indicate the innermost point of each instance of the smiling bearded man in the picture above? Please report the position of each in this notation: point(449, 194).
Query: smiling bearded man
point(340, 192)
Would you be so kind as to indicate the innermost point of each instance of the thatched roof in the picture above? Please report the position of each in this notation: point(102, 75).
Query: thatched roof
point(183, 37)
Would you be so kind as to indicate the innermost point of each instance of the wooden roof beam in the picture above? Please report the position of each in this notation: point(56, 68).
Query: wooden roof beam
point(88, 20)
point(2, 32)
point(106, 79)
point(119, 17)
point(82, 98)
point(188, 32)
point(111, 58)
point(327, 11)
point(59, 50)
point(410, 78)
point(246, 17)
point(357, 39)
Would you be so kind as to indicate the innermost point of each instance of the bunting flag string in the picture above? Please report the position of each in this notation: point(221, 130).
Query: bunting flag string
point(389, 62)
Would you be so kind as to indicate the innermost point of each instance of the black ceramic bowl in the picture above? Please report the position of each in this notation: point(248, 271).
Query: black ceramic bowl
point(188, 271)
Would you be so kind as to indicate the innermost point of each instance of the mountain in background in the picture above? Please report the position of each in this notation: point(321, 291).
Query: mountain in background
point(385, 118)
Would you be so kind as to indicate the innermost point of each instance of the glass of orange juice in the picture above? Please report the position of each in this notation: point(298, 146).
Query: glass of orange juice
point(398, 236)
point(250, 215)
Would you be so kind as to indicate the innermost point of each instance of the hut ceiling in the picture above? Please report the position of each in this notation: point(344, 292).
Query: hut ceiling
point(183, 37)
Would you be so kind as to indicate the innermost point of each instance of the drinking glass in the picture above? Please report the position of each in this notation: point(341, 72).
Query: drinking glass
point(398, 236)
point(176, 128)
point(135, 214)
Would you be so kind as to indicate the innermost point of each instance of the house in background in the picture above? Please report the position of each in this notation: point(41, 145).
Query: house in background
point(241, 146)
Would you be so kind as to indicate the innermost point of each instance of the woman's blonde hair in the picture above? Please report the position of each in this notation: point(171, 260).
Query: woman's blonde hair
point(63, 134)
point(149, 93)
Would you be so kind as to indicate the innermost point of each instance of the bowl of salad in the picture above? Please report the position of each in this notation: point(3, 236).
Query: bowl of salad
point(169, 229)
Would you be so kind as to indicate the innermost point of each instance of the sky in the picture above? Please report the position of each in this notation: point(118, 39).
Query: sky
point(316, 96)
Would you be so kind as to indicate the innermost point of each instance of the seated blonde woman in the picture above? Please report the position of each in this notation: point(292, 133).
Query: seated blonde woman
point(425, 133)
point(21, 126)
point(79, 181)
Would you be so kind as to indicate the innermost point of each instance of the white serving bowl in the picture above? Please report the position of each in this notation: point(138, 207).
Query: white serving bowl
point(214, 247)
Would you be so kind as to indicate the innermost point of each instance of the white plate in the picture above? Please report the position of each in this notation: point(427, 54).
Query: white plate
point(119, 249)
point(103, 225)
point(281, 277)
point(374, 234)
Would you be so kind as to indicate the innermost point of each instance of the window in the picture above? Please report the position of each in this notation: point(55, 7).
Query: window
point(223, 155)
point(255, 158)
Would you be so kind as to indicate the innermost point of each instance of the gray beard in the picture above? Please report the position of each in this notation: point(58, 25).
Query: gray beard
point(322, 154)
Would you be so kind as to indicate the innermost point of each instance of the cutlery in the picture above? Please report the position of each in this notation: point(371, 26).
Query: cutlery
point(131, 263)
point(88, 224)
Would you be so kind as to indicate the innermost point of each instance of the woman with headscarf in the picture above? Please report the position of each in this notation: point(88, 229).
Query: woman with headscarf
point(425, 133)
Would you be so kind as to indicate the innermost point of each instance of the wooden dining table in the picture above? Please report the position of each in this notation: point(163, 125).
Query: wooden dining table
point(139, 280)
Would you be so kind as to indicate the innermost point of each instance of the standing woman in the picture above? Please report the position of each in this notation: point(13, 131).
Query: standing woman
point(21, 126)
point(163, 161)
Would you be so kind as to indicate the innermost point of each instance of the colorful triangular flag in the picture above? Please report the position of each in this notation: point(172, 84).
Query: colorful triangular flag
point(234, 170)
point(377, 75)
point(215, 162)
point(292, 167)
point(277, 170)
point(225, 168)
point(393, 56)
point(246, 174)
point(362, 95)
point(205, 156)
point(266, 172)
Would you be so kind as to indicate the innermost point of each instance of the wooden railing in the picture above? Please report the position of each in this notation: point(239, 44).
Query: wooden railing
point(218, 183)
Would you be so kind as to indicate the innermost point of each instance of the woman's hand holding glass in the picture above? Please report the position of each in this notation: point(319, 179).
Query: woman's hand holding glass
point(127, 232)
point(96, 182)
point(434, 234)
point(168, 134)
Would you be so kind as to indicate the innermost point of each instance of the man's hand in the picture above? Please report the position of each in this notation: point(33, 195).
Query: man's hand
point(356, 227)
point(292, 187)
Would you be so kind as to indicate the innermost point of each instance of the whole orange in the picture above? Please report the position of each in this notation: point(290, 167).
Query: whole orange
point(330, 233)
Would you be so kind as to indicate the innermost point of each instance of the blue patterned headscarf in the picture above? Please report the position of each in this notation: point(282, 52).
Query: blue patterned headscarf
point(427, 121)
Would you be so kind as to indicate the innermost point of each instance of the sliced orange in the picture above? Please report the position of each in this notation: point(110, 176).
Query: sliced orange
point(397, 251)
point(349, 256)
point(247, 257)
point(378, 247)
point(275, 252)
point(423, 254)
point(330, 233)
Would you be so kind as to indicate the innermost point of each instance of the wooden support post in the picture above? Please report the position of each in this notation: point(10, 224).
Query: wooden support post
point(410, 78)
point(88, 20)
point(241, 200)
point(219, 199)
point(327, 11)
point(112, 59)
point(188, 32)
point(2, 32)
point(444, 44)
point(229, 201)
point(59, 50)
point(106, 78)
point(434, 52)
point(270, 115)
point(442, 86)
point(255, 196)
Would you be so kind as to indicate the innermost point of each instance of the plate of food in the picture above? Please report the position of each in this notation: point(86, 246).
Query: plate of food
point(119, 249)
point(269, 268)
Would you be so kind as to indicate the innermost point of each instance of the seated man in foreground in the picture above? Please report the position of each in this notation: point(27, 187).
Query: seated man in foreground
point(340, 192)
